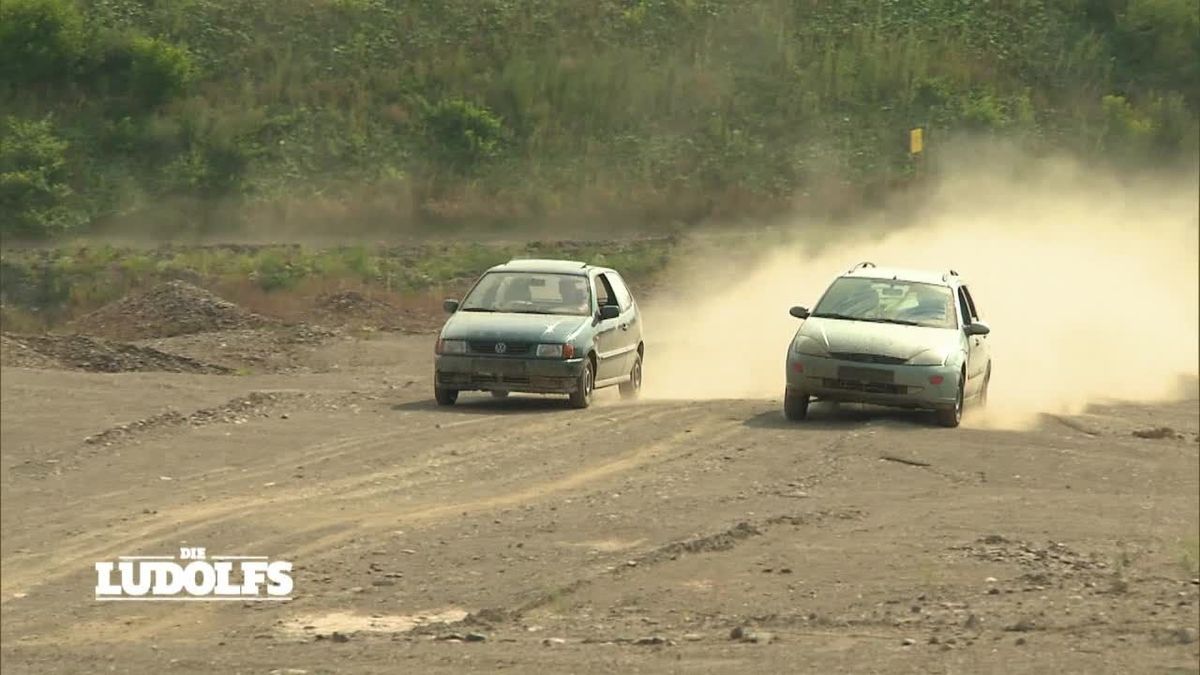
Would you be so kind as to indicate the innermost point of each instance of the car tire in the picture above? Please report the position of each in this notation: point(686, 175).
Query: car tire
point(952, 417)
point(633, 387)
point(582, 396)
point(498, 393)
point(987, 381)
point(445, 396)
point(795, 405)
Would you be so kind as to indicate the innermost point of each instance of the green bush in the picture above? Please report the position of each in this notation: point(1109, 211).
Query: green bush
point(34, 196)
point(275, 271)
point(1160, 41)
point(134, 74)
point(41, 41)
point(207, 170)
point(461, 134)
point(159, 70)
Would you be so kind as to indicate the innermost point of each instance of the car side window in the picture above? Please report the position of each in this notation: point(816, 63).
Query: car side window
point(974, 313)
point(624, 298)
point(604, 292)
point(963, 309)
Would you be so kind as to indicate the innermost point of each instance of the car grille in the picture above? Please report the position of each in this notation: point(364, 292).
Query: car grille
point(868, 358)
point(489, 347)
point(868, 387)
point(480, 379)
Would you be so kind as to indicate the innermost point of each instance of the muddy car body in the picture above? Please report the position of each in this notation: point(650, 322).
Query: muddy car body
point(890, 337)
point(541, 326)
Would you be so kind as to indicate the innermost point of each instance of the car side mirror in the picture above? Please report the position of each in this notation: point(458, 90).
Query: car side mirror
point(450, 305)
point(977, 328)
point(609, 312)
point(799, 312)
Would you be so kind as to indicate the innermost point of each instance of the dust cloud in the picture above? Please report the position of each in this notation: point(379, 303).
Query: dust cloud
point(1088, 281)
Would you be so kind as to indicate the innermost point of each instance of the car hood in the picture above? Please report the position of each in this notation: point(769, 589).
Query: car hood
point(551, 328)
point(881, 339)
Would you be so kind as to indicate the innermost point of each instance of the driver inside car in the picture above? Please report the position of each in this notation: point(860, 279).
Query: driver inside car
point(931, 305)
point(574, 295)
point(516, 292)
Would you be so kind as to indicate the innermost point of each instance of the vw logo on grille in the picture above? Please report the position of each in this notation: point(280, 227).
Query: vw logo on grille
point(501, 347)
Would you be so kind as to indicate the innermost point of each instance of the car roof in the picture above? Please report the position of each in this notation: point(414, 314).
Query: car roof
point(543, 265)
point(870, 271)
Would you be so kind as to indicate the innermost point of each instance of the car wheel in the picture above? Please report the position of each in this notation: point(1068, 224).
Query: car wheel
point(795, 405)
point(633, 387)
point(582, 396)
point(496, 393)
point(952, 417)
point(445, 396)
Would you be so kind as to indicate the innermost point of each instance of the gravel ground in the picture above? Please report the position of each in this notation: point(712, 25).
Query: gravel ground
point(518, 535)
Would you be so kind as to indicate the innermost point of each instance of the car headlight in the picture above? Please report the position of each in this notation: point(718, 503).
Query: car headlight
point(452, 347)
point(809, 346)
point(556, 351)
point(929, 357)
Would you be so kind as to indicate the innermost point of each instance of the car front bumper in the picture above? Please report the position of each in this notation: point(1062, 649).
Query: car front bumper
point(902, 386)
point(530, 375)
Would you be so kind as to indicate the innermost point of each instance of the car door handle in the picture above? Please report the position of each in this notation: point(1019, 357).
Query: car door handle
point(624, 326)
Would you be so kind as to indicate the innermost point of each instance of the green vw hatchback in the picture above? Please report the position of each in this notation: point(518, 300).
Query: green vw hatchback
point(543, 327)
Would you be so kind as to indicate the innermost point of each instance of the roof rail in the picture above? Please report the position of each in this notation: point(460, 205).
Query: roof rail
point(534, 258)
point(865, 263)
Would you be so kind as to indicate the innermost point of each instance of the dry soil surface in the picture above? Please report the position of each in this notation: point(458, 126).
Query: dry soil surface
point(649, 536)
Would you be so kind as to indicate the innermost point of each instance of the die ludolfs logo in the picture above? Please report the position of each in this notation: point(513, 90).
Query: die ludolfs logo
point(194, 575)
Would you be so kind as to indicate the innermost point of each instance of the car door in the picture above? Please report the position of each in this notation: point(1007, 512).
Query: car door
point(630, 324)
point(980, 348)
point(608, 338)
point(976, 345)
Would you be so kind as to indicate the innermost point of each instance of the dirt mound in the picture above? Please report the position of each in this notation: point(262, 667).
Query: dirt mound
point(15, 353)
point(355, 307)
point(79, 352)
point(352, 303)
point(270, 349)
point(167, 310)
point(234, 411)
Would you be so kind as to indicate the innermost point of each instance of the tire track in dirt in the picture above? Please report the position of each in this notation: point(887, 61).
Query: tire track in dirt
point(719, 541)
point(706, 432)
point(640, 456)
point(334, 449)
point(179, 523)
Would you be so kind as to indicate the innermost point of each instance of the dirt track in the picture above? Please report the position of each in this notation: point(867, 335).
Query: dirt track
point(627, 537)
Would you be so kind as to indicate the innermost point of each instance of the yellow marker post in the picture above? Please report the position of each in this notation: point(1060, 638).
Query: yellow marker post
point(916, 141)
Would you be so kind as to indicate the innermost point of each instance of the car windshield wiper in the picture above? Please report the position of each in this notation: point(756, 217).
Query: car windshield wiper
point(477, 309)
point(847, 317)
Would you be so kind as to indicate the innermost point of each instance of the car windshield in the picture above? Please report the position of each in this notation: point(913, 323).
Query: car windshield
point(888, 301)
point(530, 293)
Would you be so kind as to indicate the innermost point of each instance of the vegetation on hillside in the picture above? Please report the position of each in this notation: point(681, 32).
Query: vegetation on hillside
point(43, 287)
point(209, 116)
